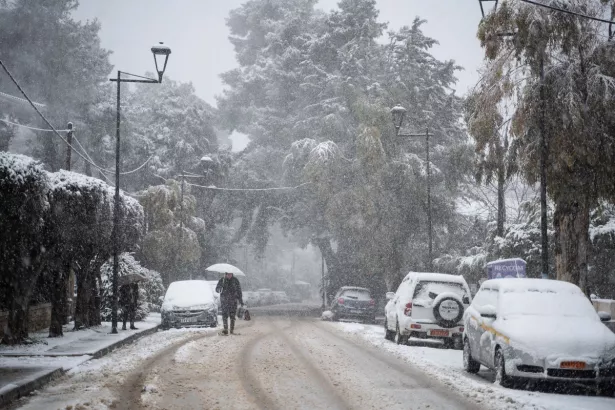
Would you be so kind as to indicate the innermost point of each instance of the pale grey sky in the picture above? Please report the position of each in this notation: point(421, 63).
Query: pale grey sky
point(196, 32)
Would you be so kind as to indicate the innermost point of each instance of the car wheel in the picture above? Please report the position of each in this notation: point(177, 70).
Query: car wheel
point(469, 364)
point(500, 370)
point(399, 338)
point(388, 334)
point(457, 343)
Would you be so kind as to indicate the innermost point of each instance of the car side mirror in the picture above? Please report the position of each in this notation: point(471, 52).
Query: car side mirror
point(390, 295)
point(604, 316)
point(488, 311)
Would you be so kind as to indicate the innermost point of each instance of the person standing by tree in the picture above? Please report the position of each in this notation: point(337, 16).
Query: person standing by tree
point(230, 293)
point(129, 299)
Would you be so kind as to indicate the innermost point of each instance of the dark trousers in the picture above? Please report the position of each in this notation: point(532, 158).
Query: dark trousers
point(128, 314)
point(228, 312)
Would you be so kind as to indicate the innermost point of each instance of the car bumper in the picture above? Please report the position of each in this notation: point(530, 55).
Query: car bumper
point(189, 319)
point(431, 330)
point(355, 313)
point(523, 365)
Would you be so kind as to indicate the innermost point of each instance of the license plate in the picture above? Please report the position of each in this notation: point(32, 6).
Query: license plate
point(438, 333)
point(572, 365)
point(355, 311)
point(188, 320)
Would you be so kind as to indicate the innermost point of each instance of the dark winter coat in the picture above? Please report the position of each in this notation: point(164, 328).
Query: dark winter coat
point(230, 292)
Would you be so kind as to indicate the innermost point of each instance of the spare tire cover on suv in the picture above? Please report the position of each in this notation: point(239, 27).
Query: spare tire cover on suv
point(448, 311)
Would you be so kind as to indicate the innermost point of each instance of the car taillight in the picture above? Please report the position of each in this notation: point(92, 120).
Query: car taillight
point(372, 302)
point(415, 326)
point(408, 309)
point(340, 301)
point(461, 329)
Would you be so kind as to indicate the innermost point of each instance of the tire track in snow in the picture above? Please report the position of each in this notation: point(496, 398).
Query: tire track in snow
point(249, 380)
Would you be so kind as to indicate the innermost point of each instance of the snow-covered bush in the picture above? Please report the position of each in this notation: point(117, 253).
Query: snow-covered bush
point(23, 208)
point(150, 290)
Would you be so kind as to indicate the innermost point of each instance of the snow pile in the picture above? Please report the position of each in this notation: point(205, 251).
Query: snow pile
point(327, 315)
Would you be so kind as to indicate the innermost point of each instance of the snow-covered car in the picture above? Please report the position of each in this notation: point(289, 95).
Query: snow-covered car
point(427, 305)
point(189, 303)
point(250, 298)
point(351, 302)
point(280, 297)
point(538, 329)
point(265, 296)
point(212, 285)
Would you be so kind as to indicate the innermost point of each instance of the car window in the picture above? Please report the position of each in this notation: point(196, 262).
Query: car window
point(429, 290)
point(357, 294)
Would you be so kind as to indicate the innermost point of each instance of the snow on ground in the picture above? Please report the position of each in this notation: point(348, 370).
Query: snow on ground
point(99, 379)
point(446, 365)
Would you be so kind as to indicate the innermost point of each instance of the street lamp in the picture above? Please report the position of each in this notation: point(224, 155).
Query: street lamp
point(159, 51)
point(398, 113)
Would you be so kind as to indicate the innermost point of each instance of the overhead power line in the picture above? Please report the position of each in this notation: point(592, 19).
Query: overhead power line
point(29, 127)
point(52, 129)
point(213, 188)
point(12, 98)
point(574, 13)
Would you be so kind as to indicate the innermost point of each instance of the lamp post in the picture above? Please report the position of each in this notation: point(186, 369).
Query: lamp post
point(159, 51)
point(398, 113)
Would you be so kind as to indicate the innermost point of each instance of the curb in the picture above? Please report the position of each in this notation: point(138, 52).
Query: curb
point(35, 384)
point(28, 387)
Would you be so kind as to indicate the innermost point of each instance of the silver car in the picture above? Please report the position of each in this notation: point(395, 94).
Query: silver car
point(538, 329)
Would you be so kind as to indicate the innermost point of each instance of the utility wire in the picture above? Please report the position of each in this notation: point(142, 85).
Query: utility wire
point(29, 127)
point(17, 99)
point(213, 188)
point(42, 116)
point(574, 13)
point(58, 134)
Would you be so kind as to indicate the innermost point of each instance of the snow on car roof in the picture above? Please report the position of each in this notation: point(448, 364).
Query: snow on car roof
point(189, 292)
point(437, 277)
point(524, 284)
point(353, 288)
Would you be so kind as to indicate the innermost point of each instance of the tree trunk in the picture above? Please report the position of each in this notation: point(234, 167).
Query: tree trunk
point(94, 305)
point(16, 330)
point(571, 223)
point(59, 301)
point(324, 244)
point(501, 200)
point(392, 277)
point(83, 300)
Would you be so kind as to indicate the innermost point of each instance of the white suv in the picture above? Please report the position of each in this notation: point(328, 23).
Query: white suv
point(427, 305)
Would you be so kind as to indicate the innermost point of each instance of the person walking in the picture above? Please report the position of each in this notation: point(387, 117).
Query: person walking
point(129, 300)
point(230, 294)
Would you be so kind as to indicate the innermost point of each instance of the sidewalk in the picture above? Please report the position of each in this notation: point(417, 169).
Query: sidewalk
point(26, 368)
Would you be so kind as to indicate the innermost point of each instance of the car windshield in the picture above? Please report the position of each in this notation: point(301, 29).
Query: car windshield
point(357, 294)
point(544, 302)
point(431, 289)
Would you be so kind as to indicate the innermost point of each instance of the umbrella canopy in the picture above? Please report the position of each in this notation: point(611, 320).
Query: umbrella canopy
point(224, 268)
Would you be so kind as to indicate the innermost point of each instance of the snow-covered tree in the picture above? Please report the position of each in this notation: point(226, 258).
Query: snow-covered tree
point(23, 189)
point(574, 109)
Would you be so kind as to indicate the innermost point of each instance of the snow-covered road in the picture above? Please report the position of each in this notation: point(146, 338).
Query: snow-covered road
point(446, 366)
point(287, 363)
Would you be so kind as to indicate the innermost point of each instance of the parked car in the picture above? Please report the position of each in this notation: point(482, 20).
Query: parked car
point(250, 298)
point(189, 303)
point(280, 297)
point(265, 296)
point(352, 302)
point(212, 285)
point(427, 306)
point(538, 329)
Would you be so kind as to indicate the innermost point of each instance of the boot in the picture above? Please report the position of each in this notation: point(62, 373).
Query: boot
point(232, 325)
point(225, 330)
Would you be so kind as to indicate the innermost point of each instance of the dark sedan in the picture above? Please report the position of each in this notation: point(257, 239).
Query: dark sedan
point(356, 303)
